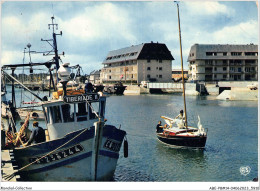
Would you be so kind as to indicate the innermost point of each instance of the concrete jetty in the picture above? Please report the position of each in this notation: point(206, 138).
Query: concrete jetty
point(7, 166)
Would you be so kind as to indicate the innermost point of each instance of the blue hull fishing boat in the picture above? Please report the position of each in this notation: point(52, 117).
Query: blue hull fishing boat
point(79, 145)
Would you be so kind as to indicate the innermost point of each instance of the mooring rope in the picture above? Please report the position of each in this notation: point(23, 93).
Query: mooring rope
point(9, 177)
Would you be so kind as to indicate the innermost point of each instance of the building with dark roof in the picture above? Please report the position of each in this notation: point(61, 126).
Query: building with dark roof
point(144, 62)
point(219, 62)
point(94, 77)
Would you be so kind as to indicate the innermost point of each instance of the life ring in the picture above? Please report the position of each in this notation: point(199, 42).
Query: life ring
point(35, 115)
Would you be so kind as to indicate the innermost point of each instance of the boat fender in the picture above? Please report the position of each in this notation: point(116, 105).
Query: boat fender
point(125, 148)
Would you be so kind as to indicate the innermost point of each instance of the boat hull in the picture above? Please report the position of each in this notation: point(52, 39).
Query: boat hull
point(75, 160)
point(183, 141)
point(118, 90)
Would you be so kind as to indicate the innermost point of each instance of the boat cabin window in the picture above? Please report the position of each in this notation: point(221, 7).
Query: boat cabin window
point(81, 111)
point(54, 111)
point(102, 108)
point(95, 106)
point(68, 112)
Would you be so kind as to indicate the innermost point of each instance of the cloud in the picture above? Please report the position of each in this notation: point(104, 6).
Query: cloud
point(208, 8)
point(8, 58)
point(101, 21)
point(92, 29)
point(243, 33)
point(18, 33)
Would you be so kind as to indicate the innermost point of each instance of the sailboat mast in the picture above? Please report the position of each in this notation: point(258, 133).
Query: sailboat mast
point(183, 84)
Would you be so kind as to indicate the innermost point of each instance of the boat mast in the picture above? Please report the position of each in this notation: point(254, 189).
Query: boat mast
point(183, 83)
point(54, 46)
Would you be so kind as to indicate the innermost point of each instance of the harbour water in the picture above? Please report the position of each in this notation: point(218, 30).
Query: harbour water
point(232, 139)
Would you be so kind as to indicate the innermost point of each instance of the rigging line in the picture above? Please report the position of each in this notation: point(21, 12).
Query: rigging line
point(15, 173)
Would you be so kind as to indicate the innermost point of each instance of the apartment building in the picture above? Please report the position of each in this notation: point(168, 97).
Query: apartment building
point(219, 62)
point(94, 77)
point(145, 62)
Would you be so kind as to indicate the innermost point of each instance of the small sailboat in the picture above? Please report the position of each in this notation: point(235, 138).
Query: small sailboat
point(178, 133)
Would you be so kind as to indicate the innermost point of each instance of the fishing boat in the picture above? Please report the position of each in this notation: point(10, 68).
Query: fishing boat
point(177, 133)
point(79, 145)
point(117, 88)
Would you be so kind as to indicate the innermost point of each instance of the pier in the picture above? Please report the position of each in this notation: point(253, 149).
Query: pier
point(8, 166)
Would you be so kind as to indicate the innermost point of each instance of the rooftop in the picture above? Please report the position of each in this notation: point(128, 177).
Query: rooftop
point(150, 51)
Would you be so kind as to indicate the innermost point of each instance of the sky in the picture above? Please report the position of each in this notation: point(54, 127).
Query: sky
point(92, 29)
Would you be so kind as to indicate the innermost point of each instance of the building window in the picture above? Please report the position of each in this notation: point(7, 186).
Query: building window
point(148, 61)
point(160, 76)
point(224, 61)
point(109, 77)
point(231, 76)
point(224, 76)
point(252, 68)
point(239, 70)
point(247, 69)
point(215, 68)
point(231, 68)
point(236, 53)
point(224, 53)
point(250, 61)
point(206, 69)
point(215, 75)
point(250, 53)
point(224, 68)
point(148, 76)
point(211, 54)
point(210, 62)
point(160, 68)
point(148, 68)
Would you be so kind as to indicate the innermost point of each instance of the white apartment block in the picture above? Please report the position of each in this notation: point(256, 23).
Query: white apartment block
point(145, 62)
point(219, 62)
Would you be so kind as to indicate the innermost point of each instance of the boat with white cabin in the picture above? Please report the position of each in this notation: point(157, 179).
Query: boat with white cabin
point(79, 146)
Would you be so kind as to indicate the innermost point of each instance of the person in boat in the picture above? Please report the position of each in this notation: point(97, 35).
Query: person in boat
point(88, 87)
point(159, 127)
point(38, 134)
point(180, 116)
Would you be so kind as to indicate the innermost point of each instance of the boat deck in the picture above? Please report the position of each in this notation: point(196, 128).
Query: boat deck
point(7, 165)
